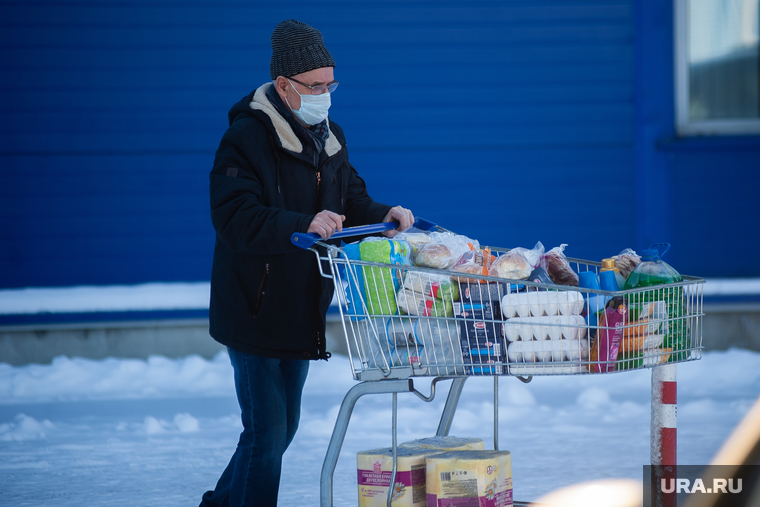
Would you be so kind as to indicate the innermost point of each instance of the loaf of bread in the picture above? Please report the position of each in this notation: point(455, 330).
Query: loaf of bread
point(558, 267)
point(474, 262)
point(435, 255)
point(512, 265)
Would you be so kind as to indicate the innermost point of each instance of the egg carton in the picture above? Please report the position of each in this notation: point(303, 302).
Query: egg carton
point(540, 303)
point(545, 351)
point(555, 327)
point(548, 369)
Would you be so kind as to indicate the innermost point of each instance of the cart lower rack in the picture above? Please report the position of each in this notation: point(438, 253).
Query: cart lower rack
point(402, 321)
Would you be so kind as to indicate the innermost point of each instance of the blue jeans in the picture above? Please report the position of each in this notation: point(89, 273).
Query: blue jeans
point(269, 394)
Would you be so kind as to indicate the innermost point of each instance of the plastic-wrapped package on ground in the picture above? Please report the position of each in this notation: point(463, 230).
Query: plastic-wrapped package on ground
point(447, 443)
point(374, 470)
point(469, 478)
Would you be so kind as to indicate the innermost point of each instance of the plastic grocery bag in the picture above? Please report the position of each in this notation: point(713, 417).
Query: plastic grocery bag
point(432, 284)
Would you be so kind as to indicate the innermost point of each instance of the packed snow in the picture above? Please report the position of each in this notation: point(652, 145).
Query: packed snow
point(119, 432)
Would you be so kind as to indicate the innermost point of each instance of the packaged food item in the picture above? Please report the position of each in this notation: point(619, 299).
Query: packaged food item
point(634, 344)
point(474, 262)
point(559, 268)
point(463, 478)
point(416, 239)
point(652, 357)
point(491, 291)
point(413, 303)
point(626, 261)
point(512, 265)
point(457, 243)
point(478, 320)
point(607, 343)
point(435, 255)
point(647, 318)
point(539, 275)
point(432, 284)
point(534, 256)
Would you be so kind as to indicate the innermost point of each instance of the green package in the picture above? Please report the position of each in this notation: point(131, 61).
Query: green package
point(381, 284)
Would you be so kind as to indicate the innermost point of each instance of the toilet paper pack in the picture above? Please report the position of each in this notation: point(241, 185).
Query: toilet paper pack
point(375, 467)
point(447, 443)
point(482, 478)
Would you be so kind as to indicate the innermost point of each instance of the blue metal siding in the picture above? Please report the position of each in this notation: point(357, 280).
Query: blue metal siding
point(510, 122)
point(700, 193)
point(717, 211)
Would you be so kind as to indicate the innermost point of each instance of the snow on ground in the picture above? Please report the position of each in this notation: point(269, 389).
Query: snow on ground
point(159, 432)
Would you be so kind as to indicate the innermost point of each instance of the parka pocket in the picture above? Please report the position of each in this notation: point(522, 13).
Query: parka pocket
point(262, 291)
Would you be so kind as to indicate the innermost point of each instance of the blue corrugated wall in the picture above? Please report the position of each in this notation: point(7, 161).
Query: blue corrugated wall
point(511, 122)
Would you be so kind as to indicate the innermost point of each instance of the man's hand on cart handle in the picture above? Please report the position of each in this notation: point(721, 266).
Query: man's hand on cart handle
point(403, 216)
point(326, 223)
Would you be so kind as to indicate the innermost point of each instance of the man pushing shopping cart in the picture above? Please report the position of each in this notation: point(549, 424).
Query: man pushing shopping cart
point(282, 167)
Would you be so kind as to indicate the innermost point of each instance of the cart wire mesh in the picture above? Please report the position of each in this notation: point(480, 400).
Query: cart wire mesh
point(402, 321)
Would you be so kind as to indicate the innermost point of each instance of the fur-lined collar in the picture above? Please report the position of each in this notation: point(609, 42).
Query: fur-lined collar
point(288, 138)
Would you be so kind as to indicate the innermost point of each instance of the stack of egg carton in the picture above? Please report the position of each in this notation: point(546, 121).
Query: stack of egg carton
point(545, 329)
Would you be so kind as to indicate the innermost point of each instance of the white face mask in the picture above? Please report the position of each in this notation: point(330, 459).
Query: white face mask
point(313, 107)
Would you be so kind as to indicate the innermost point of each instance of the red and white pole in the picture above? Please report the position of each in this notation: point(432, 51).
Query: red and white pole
point(663, 430)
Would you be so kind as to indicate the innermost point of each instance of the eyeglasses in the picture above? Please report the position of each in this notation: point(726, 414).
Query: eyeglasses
point(318, 89)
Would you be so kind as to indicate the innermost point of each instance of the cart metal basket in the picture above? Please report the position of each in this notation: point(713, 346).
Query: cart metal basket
point(403, 321)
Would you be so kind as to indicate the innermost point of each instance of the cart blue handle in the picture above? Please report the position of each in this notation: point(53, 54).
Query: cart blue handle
point(307, 239)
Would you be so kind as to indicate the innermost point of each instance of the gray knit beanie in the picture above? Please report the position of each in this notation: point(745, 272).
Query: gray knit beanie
point(297, 48)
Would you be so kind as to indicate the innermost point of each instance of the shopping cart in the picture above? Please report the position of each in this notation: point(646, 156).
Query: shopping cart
point(404, 321)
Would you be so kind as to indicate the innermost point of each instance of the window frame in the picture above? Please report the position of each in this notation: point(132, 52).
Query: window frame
point(684, 125)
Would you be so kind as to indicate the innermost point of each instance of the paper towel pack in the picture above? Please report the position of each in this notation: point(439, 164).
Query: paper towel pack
point(482, 478)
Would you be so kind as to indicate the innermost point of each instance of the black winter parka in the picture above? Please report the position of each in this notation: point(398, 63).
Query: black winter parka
point(268, 181)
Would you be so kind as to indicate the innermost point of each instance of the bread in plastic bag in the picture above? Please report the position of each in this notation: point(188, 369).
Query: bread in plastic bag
point(416, 239)
point(534, 256)
point(449, 249)
point(558, 267)
point(435, 255)
point(626, 261)
point(512, 265)
point(474, 262)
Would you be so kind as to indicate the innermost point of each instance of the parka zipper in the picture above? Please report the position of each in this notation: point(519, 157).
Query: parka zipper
point(319, 174)
point(319, 180)
point(261, 291)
